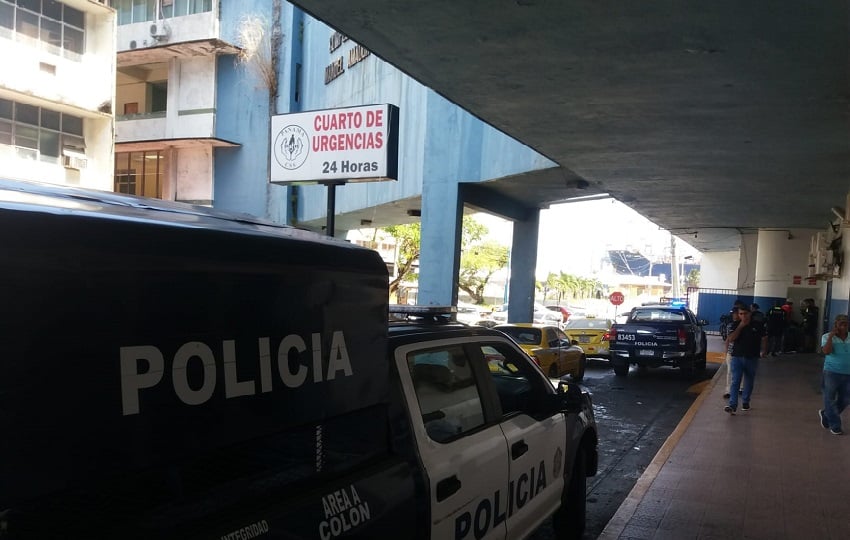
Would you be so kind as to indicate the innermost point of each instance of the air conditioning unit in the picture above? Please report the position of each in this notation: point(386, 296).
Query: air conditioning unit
point(159, 31)
point(74, 162)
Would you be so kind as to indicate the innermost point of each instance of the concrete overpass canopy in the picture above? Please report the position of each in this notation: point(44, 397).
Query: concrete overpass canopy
point(705, 117)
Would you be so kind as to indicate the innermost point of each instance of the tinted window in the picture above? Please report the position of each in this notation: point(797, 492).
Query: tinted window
point(446, 390)
point(574, 324)
point(657, 314)
point(522, 335)
point(518, 384)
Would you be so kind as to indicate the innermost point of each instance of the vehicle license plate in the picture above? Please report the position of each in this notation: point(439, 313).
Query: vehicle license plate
point(646, 352)
point(584, 339)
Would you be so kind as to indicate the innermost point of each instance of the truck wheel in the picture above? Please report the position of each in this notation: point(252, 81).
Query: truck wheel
point(687, 367)
point(700, 362)
point(621, 370)
point(569, 520)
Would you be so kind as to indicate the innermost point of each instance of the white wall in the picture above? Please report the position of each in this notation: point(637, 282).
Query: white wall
point(719, 269)
point(194, 174)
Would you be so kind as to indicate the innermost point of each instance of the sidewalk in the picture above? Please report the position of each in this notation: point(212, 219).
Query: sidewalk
point(771, 473)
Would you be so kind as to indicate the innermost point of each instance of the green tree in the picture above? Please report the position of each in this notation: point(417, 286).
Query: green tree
point(692, 280)
point(407, 237)
point(479, 259)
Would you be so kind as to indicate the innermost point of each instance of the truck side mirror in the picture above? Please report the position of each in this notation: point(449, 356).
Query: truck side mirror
point(569, 399)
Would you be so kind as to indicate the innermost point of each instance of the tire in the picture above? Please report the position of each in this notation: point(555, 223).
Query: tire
point(621, 370)
point(701, 360)
point(553, 371)
point(582, 366)
point(569, 520)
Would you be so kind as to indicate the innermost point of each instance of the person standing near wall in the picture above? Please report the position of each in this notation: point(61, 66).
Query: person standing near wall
point(810, 324)
point(775, 328)
point(836, 375)
point(749, 343)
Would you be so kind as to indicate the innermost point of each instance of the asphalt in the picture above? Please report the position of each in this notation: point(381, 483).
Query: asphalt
point(770, 473)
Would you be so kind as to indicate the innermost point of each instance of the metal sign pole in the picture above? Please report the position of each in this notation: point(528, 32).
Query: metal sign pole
point(330, 223)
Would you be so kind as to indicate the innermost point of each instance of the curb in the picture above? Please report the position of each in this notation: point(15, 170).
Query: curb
point(620, 520)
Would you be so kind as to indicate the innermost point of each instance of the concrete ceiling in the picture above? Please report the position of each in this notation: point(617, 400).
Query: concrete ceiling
point(705, 117)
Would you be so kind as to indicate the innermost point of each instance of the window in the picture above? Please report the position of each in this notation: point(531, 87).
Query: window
point(446, 390)
point(139, 173)
point(58, 28)
point(158, 96)
point(518, 385)
point(135, 11)
point(39, 133)
point(523, 335)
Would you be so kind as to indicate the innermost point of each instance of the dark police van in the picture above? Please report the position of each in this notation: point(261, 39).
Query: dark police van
point(169, 371)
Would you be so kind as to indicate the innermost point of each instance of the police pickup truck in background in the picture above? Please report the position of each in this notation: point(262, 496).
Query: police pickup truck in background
point(659, 335)
point(169, 371)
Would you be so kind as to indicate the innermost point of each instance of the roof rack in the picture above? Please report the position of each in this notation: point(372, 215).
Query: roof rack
point(436, 314)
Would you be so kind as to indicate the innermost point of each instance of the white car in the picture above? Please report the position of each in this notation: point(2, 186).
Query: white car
point(542, 315)
point(471, 313)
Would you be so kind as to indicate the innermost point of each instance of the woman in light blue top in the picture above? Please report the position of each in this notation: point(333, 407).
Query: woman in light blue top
point(836, 375)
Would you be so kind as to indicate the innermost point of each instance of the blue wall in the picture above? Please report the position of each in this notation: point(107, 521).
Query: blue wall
point(243, 117)
point(438, 141)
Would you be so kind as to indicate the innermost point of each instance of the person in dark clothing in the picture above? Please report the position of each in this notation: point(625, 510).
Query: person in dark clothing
point(749, 343)
point(775, 328)
point(757, 314)
point(810, 325)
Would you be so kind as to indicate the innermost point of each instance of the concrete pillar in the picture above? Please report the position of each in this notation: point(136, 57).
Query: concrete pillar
point(439, 257)
point(523, 264)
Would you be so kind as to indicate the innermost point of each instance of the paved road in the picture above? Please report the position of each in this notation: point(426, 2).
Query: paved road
point(635, 415)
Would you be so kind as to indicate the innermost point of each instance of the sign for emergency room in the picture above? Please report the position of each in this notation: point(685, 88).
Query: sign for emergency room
point(356, 144)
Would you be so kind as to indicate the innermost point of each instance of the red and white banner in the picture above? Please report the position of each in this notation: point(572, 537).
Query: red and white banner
point(354, 144)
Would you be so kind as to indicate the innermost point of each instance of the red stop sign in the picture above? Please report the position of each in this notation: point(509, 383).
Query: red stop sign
point(616, 298)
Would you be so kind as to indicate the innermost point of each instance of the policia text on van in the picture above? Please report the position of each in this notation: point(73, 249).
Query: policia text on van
point(169, 371)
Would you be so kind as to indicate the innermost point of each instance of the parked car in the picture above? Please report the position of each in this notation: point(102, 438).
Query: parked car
point(592, 334)
point(500, 313)
point(565, 313)
point(544, 315)
point(550, 348)
point(472, 313)
point(659, 335)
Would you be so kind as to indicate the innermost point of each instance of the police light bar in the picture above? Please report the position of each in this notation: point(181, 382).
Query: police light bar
point(403, 312)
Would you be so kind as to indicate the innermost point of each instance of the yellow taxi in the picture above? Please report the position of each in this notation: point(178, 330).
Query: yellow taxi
point(550, 348)
point(592, 334)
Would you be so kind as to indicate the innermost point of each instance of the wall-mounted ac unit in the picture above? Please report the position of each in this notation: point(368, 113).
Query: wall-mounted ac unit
point(159, 31)
point(74, 162)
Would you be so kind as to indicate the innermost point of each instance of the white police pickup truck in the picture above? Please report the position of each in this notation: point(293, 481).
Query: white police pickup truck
point(168, 371)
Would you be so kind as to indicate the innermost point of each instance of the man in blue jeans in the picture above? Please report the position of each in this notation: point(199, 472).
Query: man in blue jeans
point(836, 375)
point(749, 342)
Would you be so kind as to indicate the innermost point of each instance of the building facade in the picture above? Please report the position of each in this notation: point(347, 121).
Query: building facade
point(57, 91)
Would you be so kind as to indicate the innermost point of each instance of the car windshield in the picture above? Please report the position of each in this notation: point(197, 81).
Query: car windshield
point(657, 314)
point(523, 335)
point(575, 324)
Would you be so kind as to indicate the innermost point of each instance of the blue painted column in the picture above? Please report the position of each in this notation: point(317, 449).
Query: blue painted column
point(439, 256)
point(523, 264)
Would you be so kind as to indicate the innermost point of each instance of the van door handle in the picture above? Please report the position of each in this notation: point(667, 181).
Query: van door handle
point(518, 449)
point(447, 487)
